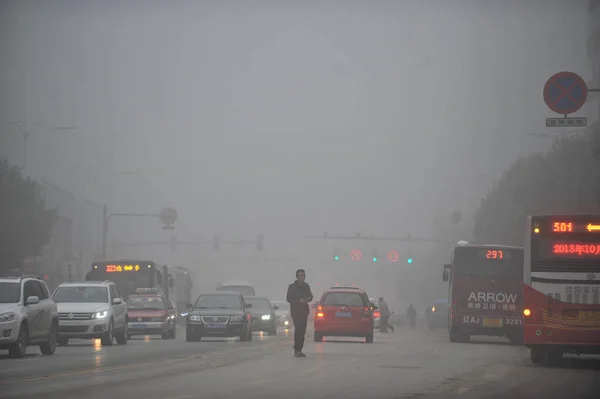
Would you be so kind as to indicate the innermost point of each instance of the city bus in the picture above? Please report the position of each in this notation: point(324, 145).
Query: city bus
point(560, 286)
point(128, 275)
point(484, 292)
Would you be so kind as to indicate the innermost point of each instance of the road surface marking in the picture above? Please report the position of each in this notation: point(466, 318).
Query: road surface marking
point(125, 366)
point(462, 390)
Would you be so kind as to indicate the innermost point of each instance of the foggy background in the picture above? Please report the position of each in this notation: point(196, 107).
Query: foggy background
point(283, 118)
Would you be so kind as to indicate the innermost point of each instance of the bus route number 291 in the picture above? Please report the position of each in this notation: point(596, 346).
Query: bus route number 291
point(513, 322)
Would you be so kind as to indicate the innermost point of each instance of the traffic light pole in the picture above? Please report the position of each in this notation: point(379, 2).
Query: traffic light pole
point(106, 221)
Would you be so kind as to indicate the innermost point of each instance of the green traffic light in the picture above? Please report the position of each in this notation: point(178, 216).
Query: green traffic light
point(374, 259)
point(336, 257)
point(409, 260)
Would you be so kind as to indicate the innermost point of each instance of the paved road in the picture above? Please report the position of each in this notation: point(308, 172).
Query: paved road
point(406, 364)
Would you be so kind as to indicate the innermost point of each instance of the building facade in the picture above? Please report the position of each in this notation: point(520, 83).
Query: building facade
point(75, 240)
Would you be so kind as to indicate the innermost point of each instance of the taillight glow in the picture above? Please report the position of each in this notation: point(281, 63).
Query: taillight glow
point(377, 314)
point(319, 308)
point(433, 308)
point(320, 314)
point(527, 312)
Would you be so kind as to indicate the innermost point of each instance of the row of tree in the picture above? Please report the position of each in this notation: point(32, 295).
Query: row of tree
point(565, 180)
point(25, 222)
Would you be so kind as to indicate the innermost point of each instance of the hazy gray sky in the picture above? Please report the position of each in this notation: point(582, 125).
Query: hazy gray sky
point(280, 116)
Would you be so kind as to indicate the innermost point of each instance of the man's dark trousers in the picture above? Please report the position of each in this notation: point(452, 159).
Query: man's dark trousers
point(300, 322)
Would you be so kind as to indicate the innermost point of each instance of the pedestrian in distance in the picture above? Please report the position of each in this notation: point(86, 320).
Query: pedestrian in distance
point(411, 313)
point(299, 295)
point(384, 316)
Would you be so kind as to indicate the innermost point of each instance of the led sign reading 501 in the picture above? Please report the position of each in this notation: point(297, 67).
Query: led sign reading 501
point(562, 227)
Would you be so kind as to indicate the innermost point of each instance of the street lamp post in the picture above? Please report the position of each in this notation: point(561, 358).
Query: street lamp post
point(26, 136)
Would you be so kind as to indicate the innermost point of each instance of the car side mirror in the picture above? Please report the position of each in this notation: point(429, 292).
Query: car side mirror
point(247, 306)
point(446, 273)
point(117, 301)
point(32, 300)
point(275, 307)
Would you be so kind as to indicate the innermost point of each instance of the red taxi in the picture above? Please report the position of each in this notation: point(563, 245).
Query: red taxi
point(150, 313)
point(344, 312)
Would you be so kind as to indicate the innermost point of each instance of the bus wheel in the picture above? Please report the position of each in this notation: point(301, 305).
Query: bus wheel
point(554, 358)
point(454, 335)
point(537, 355)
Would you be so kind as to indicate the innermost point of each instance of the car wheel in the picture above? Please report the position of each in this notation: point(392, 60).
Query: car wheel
point(250, 334)
point(122, 337)
point(172, 332)
point(20, 347)
point(107, 338)
point(48, 347)
point(369, 338)
point(191, 337)
point(318, 337)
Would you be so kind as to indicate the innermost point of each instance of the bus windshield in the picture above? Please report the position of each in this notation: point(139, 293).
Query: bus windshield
point(127, 276)
point(489, 262)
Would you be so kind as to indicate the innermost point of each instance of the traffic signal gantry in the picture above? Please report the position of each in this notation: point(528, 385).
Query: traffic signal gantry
point(393, 255)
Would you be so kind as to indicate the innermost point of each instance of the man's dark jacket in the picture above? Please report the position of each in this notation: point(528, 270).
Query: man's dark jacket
point(297, 291)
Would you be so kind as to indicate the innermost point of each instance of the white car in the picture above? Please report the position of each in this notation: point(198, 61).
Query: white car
point(284, 318)
point(28, 316)
point(91, 309)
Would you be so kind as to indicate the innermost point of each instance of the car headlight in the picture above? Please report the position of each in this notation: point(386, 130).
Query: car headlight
point(100, 315)
point(195, 318)
point(235, 319)
point(265, 317)
point(8, 316)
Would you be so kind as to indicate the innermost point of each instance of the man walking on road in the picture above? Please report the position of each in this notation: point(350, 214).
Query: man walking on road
point(384, 314)
point(299, 295)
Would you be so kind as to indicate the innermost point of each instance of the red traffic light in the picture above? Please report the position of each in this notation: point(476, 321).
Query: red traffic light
point(355, 254)
point(393, 256)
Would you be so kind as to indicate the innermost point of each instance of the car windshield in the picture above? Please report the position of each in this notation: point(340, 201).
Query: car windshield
point(10, 292)
point(282, 305)
point(259, 303)
point(218, 301)
point(147, 303)
point(344, 299)
point(81, 294)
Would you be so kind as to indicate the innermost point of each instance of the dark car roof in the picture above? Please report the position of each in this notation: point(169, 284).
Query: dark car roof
point(232, 293)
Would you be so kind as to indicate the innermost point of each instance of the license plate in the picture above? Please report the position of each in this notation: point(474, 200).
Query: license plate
point(215, 326)
point(343, 314)
point(138, 326)
point(589, 316)
point(487, 322)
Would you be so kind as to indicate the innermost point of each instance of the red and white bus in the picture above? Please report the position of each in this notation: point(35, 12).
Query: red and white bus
point(561, 286)
point(484, 292)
